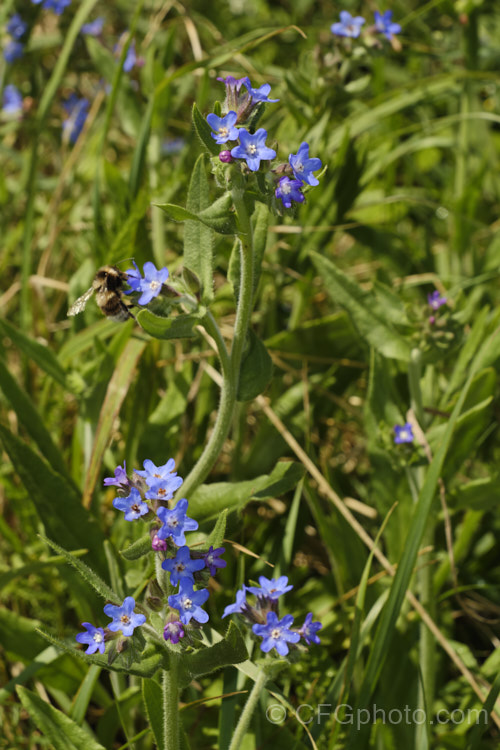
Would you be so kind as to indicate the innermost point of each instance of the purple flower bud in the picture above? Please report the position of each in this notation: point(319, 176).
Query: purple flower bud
point(225, 157)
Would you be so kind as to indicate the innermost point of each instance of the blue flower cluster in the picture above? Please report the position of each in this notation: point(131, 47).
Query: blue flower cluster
point(350, 26)
point(12, 101)
point(264, 616)
point(150, 285)
point(124, 619)
point(14, 48)
point(57, 6)
point(242, 100)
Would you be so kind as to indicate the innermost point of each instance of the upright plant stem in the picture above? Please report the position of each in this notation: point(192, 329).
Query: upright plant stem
point(170, 690)
point(230, 363)
point(242, 726)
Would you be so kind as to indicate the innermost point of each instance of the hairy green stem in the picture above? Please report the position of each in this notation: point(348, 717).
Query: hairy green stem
point(170, 691)
point(246, 715)
point(230, 363)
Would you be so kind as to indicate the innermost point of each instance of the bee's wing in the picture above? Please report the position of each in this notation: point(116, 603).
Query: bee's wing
point(79, 305)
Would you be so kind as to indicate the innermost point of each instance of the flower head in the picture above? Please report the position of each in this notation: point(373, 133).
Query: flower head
point(182, 566)
point(435, 300)
point(189, 602)
point(12, 100)
point(173, 631)
point(161, 480)
point(309, 629)
point(348, 26)
point(93, 638)
point(253, 148)
point(13, 50)
point(150, 285)
point(223, 127)
point(271, 589)
point(212, 561)
point(16, 27)
point(384, 25)
point(133, 505)
point(403, 433)
point(289, 190)
point(56, 5)
point(239, 606)
point(176, 523)
point(261, 94)
point(276, 633)
point(93, 28)
point(120, 478)
point(123, 617)
point(77, 110)
point(303, 166)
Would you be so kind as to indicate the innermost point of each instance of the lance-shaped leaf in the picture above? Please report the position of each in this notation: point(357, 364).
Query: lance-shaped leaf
point(87, 573)
point(217, 216)
point(364, 310)
point(180, 327)
point(138, 549)
point(153, 701)
point(230, 650)
point(204, 131)
point(199, 238)
point(256, 369)
point(36, 352)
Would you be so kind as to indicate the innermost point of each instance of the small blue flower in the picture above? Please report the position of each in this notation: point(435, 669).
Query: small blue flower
point(383, 24)
point(123, 617)
point(131, 59)
point(120, 478)
point(56, 5)
point(289, 190)
point(93, 28)
point(173, 631)
point(182, 566)
point(12, 100)
point(212, 561)
point(12, 51)
point(189, 602)
point(348, 26)
point(133, 505)
point(271, 589)
point(303, 166)
point(16, 27)
point(403, 433)
point(435, 300)
point(239, 605)
point(276, 633)
point(176, 523)
point(261, 94)
point(309, 629)
point(223, 127)
point(161, 480)
point(150, 285)
point(253, 148)
point(93, 638)
point(77, 110)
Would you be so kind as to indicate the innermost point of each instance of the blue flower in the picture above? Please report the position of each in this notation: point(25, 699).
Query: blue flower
point(348, 26)
point(12, 100)
point(94, 638)
point(223, 127)
point(173, 631)
point(383, 24)
point(93, 28)
point(120, 478)
point(131, 59)
point(150, 285)
point(271, 589)
point(56, 5)
point(403, 433)
point(13, 51)
point(176, 523)
point(123, 617)
point(182, 566)
point(239, 605)
point(309, 629)
point(435, 300)
point(77, 110)
point(133, 505)
point(261, 94)
point(189, 602)
point(16, 27)
point(253, 148)
point(212, 561)
point(303, 166)
point(276, 633)
point(289, 190)
point(161, 480)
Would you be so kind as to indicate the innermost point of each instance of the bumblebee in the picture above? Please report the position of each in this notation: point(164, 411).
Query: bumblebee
point(107, 286)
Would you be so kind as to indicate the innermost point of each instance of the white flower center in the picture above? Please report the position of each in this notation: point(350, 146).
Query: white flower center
point(98, 637)
point(224, 131)
point(125, 619)
point(251, 149)
point(404, 434)
point(298, 166)
point(154, 285)
point(286, 188)
point(187, 603)
point(276, 633)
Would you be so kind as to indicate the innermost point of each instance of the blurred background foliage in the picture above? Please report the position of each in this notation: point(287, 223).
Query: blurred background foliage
point(408, 202)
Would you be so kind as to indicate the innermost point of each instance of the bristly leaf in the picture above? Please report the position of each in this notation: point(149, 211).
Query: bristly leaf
point(198, 238)
point(138, 549)
point(256, 369)
point(217, 534)
point(180, 327)
point(217, 216)
point(204, 132)
point(230, 650)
